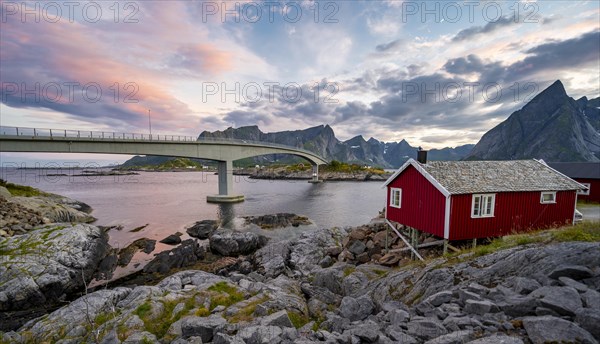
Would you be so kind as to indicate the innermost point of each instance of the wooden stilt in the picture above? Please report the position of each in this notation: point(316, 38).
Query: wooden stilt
point(474, 242)
point(387, 233)
point(445, 247)
point(405, 240)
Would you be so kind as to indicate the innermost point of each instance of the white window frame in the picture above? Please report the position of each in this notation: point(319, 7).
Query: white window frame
point(392, 197)
point(585, 192)
point(553, 193)
point(482, 198)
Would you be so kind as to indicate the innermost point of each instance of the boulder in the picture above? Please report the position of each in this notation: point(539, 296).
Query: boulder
point(549, 329)
point(201, 327)
point(568, 282)
point(480, 307)
point(426, 328)
point(357, 247)
point(523, 285)
point(497, 339)
point(233, 243)
point(280, 319)
point(458, 337)
point(563, 300)
point(439, 298)
point(172, 239)
point(591, 299)
point(261, 334)
point(44, 265)
point(575, 272)
point(186, 254)
point(356, 309)
point(278, 220)
point(589, 320)
point(203, 229)
point(271, 260)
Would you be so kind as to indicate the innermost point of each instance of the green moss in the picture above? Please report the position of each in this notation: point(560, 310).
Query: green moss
point(586, 231)
point(21, 190)
point(143, 310)
point(297, 319)
point(224, 294)
point(349, 270)
point(202, 312)
point(246, 312)
point(380, 273)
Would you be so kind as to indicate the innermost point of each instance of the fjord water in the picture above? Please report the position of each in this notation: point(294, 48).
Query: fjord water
point(170, 201)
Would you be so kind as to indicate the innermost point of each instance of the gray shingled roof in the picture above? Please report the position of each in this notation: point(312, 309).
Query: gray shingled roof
point(465, 177)
point(589, 170)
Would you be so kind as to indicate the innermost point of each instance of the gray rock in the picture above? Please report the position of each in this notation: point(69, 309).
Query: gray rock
point(326, 262)
point(517, 306)
point(568, 282)
point(563, 300)
point(307, 251)
point(440, 298)
point(458, 337)
point(426, 328)
point(261, 335)
point(233, 243)
point(589, 320)
point(272, 259)
point(357, 247)
point(280, 319)
point(552, 329)
point(221, 338)
point(203, 229)
point(172, 239)
point(367, 332)
point(322, 294)
point(398, 316)
point(575, 272)
point(480, 307)
point(141, 337)
point(523, 285)
point(356, 309)
point(37, 276)
point(201, 327)
point(400, 336)
point(591, 299)
point(354, 284)
point(330, 278)
point(497, 339)
point(186, 254)
point(465, 295)
point(461, 323)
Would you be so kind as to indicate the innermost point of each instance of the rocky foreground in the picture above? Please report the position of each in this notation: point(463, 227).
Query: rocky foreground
point(310, 290)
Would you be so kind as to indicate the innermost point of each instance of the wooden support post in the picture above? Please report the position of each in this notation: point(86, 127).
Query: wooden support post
point(474, 242)
point(387, 233)
point(445, 247)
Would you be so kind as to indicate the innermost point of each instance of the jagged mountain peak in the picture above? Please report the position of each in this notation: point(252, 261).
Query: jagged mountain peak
point(553, 127)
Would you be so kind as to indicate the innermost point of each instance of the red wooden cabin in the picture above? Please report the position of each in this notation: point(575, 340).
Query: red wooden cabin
point(458, 200)
point(586, 173)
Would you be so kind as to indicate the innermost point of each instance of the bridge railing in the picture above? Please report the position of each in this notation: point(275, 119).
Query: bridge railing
point(44, 133)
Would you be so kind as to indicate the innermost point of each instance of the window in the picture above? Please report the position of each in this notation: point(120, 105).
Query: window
point(395, 197)
point(548, 197)
point(483, 205)
point(585, 192)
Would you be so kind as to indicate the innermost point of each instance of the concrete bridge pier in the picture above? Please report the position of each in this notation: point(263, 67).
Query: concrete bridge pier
point(225, 170)
point(315, 175)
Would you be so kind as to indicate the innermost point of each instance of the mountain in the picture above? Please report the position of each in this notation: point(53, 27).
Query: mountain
point(552, 126)
point(321, 140)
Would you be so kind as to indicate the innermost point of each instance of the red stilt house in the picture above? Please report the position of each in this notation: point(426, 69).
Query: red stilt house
point(586, 173)
point(458, 200)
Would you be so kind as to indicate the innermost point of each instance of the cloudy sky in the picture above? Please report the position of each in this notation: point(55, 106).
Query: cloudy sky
point(434, 73)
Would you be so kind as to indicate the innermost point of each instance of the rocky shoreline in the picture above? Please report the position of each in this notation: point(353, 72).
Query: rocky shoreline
point(285, 174)
point(325, 286)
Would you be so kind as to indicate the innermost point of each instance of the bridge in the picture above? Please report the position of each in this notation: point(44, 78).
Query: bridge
point(223, 151)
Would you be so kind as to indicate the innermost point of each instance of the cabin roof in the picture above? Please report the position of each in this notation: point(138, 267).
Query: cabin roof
point(589, 170)
point(469, 177)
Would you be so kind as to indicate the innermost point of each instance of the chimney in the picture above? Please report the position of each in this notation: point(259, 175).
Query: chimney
point(422, 156)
